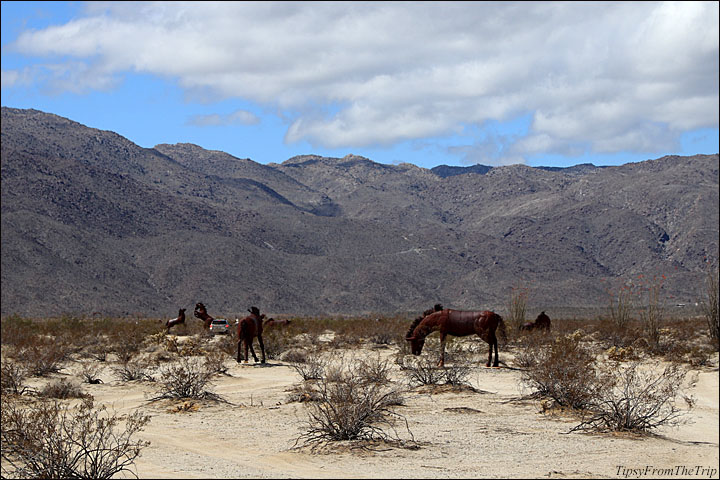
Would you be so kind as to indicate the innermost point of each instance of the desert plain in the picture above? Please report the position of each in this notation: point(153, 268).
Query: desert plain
point(492, 429)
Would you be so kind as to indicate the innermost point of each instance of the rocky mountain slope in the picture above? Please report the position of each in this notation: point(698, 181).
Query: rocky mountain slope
point(94, 223)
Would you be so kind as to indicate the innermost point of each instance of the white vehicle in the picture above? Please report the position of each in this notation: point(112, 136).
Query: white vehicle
point(219, 325)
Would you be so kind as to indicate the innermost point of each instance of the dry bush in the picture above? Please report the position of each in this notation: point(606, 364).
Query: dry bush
point(188, 378)
point(709, 302)
point(50, 440)
point(374, 369)
point(621, 354)
point(564, 371)
point(98, 351)
point(192, 347)
point(133, 370)
point(89, 371)
point(637, 401)
point(295, 355)
point(17, 331)
point(351, 407)
point(215, 361)
point(62, 389)
point(277, 340)
point(227, 344)
point(43, 357)
point(126, 348)
point(421, 371)
point(312, 367)
point(13, 378)
point(517, 307)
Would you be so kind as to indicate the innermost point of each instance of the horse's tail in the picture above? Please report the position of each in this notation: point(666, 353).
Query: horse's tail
point(501, 328)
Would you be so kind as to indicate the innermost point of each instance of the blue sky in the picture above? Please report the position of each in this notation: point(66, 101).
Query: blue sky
point(554, 84)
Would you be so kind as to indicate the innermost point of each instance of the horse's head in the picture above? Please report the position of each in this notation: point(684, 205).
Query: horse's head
point(181, 312)
point(254, 311)
point(416, 344)
point(200, 310)
point(416, 340)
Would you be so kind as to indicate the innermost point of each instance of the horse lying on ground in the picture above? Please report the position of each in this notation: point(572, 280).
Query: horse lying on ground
point(201, 313)
point(247, 329)
point(175, 321)
point(542, 322)
point(460, 324)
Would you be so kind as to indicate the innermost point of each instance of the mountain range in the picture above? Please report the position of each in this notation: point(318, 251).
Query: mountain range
point(92, 222)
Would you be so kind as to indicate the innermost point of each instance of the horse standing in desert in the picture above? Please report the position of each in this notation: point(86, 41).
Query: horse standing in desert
point(460, 324)
point(201, 313)
point(247, 329)
point(175, 321)
point(542, 322)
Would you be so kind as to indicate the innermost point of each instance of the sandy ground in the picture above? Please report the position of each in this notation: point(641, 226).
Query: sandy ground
point(493, 433)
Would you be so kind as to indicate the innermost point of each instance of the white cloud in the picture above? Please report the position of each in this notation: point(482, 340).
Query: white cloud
point(239, 117)
point(604, 76)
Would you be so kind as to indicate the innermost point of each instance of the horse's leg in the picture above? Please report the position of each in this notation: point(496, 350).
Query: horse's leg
point(239, 345)
point(262, 347)
point(245, 344)
point(252, 350)
point(495, 342)
point(490, 344)
point(441, 363)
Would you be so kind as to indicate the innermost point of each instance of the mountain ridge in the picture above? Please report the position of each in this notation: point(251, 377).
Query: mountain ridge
point(92, 222)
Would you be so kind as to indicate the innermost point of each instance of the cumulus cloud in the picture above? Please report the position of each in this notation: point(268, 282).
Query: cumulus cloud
point(598, 76)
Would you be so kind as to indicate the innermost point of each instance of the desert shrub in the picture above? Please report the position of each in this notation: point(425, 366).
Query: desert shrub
point(133, 370)
point(126, 348)
point(374, 369)
point(351, 407)
point(421, 371)
point(17, 331)
point(517, 307)
point(227, 344)
point(652, 309)
point(637, 401)
point(295, 355)
point(98, 352)
point(192, 347)
point(312, 367)
point(563, 371)
point(276, 340)
point(62, 389)
point(187, 378)
point(215, 361)
point(13, 377)
point(621, 354)
point(43, 357)
point(709, 302)
point(55, 441)
point(89, 371)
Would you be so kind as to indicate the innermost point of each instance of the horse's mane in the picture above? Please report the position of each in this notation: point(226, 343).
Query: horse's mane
point(419, 319)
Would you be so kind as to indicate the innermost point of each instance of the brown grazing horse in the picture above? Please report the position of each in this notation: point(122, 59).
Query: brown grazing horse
point(175, 321)
point(270, 322)
point(201, 313)
point(248, 328)
point(460, 324)
point(542, 322)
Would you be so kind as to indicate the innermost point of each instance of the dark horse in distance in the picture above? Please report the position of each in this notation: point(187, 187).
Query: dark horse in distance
point(201, 313)
point(248, 328)
point(542, 322)
point(175, 321)
point(458, 323)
